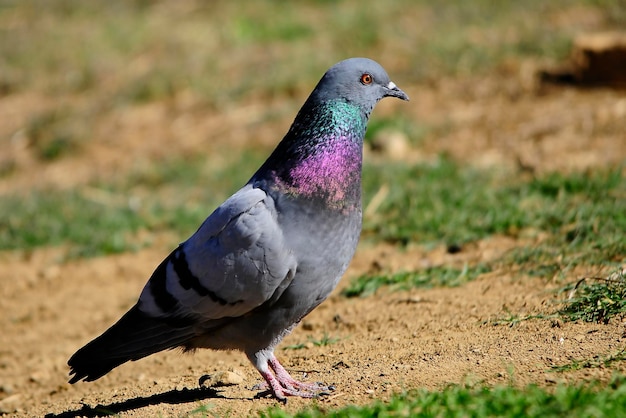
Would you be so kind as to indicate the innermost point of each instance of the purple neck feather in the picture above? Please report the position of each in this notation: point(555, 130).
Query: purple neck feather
point(320, 157)
point(331, 173)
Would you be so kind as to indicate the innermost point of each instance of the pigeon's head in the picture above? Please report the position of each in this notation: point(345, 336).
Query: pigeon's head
point(361, 81)
point(320, 157)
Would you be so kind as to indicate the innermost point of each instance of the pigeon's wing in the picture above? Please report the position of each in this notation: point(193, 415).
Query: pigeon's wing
point(236, 261)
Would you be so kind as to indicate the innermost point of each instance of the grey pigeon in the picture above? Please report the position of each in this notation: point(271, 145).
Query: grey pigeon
point(270, 254)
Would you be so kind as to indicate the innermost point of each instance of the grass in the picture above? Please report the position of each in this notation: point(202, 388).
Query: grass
point(436, 202)
point(107, 218)
point(267, 32)
point(71, 217)
point(591, 299)
point(203, 410)
point(324, 341)
point(582, 213)
point(513, 319)
point(597, 362)
point(367, 285)
point(596, 299)
point(444, 202)
point(581, 400)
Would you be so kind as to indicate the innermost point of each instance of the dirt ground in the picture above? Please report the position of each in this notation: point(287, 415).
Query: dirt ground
point(386, 343)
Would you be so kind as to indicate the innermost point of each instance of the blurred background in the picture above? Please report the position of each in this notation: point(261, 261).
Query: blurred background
point(124, 99)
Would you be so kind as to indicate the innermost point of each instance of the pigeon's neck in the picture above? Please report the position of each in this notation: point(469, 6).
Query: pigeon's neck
point(320, 157)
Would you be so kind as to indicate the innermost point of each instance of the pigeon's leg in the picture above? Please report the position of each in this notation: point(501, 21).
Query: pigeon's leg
point(278, 380)
point(286, 380)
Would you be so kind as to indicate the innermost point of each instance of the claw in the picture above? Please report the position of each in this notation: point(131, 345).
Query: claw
point(203, 379)
point(280, 384)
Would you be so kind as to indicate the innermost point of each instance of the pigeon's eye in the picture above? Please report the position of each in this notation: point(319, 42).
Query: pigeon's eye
point(366, 79)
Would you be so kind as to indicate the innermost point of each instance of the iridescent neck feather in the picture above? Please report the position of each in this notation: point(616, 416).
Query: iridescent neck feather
point(320, 157)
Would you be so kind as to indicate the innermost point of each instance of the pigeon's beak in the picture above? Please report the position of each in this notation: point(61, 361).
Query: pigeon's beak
point(393, 91)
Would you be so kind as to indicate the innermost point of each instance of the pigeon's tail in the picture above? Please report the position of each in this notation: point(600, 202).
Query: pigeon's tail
point(135, 336)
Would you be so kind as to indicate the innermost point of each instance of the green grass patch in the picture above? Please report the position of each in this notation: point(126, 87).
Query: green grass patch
point(75, 218)
point(437, 202)
point(105, 218)
point(590, 299)
point(594, 363)
point(368, 284)
point(582, 214)
point(581, 400)
point(596, 299)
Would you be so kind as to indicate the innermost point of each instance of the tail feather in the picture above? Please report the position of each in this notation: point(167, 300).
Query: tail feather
point(135, 336)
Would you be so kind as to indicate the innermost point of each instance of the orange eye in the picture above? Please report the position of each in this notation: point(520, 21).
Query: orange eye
point(367, 79)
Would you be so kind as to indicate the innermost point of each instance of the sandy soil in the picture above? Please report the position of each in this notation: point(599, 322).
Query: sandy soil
point(386, 343)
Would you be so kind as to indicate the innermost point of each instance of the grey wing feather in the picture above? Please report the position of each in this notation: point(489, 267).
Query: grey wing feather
point(236, 261)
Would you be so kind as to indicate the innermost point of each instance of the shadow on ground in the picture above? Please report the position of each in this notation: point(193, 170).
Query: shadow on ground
point(171, 397)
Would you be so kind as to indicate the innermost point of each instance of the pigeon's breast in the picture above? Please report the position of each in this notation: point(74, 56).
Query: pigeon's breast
point(323, 242)
point(330, 176)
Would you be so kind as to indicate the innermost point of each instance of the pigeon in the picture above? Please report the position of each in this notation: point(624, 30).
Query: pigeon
point(270, 254)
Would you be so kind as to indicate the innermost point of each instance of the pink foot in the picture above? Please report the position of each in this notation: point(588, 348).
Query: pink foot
point(281, 384)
